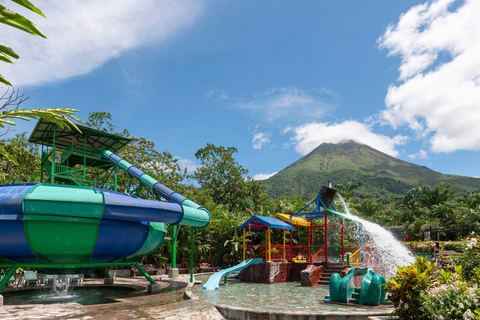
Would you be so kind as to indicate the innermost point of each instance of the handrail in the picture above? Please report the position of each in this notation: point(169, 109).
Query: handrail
point(352, 255)
point(313, 257)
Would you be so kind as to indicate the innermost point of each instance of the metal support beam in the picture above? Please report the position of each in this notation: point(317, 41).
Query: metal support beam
point(7, 277)
point(174, 246)
point(145, 274)
point(191, 254)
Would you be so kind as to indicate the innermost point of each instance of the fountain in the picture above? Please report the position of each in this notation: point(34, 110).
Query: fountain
point(390, 251)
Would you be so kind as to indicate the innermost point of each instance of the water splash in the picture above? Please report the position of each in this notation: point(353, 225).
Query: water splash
point(390, 251)
point(60, 286)
point(60, 290)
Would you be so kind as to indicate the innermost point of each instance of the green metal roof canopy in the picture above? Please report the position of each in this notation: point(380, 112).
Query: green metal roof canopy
point(45, 130)
point(261, 223)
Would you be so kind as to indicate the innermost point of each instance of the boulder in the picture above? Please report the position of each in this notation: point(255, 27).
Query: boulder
point(310, 276)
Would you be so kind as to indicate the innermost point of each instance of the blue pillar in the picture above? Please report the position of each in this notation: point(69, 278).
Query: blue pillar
point(361, 245)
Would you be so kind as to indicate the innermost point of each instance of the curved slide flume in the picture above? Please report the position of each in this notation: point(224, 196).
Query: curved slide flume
point(214, 280)
point(193, 214)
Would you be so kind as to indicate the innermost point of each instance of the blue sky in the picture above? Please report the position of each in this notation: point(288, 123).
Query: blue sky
point(272, 78)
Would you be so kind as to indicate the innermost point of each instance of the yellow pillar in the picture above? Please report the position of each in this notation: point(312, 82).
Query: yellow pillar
point(284, 256)
point(266, 245)
point(244, 244)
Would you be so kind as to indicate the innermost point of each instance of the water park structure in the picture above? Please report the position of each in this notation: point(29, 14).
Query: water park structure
point(75, 220)
point(290, 262)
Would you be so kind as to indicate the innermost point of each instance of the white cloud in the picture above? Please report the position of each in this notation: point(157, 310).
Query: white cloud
point(187, 163)
point(259, 139)
point(439, 93)
point(263, 176)
point(292, 104)
point(311, 135)
point(84, 34)
point(422, 154)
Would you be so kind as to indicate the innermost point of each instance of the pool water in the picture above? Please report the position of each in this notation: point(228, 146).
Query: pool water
point(288, 296)
point(82, 295)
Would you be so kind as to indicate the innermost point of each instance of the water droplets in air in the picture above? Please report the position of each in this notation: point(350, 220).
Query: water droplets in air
point(390, 251)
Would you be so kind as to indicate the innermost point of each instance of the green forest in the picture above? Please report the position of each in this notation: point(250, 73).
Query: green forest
point(224, 186)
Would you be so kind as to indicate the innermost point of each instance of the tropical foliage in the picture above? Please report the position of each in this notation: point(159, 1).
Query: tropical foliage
point(17, 21)
point(10, 102)
point(420, 291)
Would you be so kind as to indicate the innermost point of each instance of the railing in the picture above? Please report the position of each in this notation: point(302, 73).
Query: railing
point(365, 255)
point(277, 252)
point(356, 257)
point(80, 149)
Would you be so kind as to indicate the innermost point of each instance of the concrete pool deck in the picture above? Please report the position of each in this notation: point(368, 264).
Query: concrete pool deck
point(169, 304)
point(176, 301)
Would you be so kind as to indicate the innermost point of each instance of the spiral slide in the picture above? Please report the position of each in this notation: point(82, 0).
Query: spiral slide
point(69, 229)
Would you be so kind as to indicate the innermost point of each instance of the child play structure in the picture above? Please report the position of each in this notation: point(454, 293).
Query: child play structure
point(75, 220)
point(301, 222)
point(342, 290)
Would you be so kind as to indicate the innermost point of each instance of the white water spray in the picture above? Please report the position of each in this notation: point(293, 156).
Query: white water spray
point(60, 286)
point(390, 251)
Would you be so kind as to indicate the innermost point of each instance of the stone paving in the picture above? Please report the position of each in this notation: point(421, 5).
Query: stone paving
point(169, 304)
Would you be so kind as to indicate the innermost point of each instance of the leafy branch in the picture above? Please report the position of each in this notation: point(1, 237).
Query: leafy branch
point(17, 21)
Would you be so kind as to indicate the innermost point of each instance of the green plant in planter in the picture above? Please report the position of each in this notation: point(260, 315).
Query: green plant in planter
point(407, 287)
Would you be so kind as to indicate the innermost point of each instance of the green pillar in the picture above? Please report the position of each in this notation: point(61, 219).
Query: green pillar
point(52, 179)
point(174, 246)
point(145, 274)
point(191, 254)
point(7, 277)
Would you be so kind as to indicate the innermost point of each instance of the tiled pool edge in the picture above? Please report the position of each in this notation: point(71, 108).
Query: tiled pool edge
point(239, 313)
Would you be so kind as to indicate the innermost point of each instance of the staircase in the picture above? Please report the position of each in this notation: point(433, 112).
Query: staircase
point(355, 296)
point(333, 267)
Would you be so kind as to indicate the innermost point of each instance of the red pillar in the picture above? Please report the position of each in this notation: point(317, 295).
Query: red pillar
point(311, 241)
point(343, 249)
point(308, 243)
point(291, 245)
point(326, 241)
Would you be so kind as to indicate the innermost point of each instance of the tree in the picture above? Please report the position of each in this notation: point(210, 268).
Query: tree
point(18, 21)
point(347, 190)
point(25, 170)
point(221, 175)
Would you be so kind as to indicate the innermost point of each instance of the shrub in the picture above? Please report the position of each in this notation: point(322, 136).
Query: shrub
point(421, 246)
point(458, 246)
point(470, 258)
point(451, 301)
point(407, 287)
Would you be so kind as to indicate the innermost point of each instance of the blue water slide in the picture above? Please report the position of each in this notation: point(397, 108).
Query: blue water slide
point(119, 206)
point(214, 280)
point(193, 214)
point(12, 230)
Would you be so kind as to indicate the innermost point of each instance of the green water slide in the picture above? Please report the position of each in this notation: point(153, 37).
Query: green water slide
point(194, 215)
point(370, 292)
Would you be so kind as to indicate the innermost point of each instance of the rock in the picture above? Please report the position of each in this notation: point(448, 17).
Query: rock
point(108, 281)
point(267, 272)
point(310, 276)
